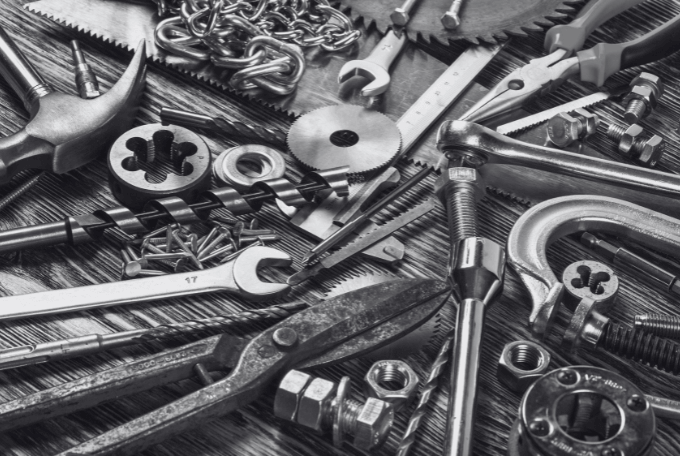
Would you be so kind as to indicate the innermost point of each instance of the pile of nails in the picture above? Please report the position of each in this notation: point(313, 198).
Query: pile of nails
point(175, 248)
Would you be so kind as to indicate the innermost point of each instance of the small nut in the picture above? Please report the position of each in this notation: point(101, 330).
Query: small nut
point(373, 425)
point(630, 136)
point(652, 151)
point(396, 371)
point(315, 403)
point(458, 176)
point(521, 364)
point(289, 393)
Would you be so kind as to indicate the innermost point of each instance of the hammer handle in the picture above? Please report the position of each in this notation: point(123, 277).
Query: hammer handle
point(19, 73)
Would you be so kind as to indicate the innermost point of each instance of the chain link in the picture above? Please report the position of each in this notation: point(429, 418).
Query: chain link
point(263, 39)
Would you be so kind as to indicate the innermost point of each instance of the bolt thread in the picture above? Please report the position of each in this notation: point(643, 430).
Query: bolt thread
point(461, 212)
point(20, 190)
point(426, 391)
point(659, 325)
point(615, 132)
point(348, 420)
point(642, 347)
point(635, 110)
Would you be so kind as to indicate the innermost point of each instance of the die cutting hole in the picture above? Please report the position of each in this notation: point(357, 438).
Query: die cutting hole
point(588, 417)
point(159, 156)
point(591, 280)
point(344, 138)
point(130, 164)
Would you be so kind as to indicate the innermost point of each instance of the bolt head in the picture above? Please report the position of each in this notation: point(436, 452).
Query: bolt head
point(374, 424)
point(630, 136)
point(652, 151)
point(399, 17)
point(450, 20)
point(563, 129)
point(315, 404)
point(289, 393)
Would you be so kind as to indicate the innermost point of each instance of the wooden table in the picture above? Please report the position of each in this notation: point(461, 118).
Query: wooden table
point(253, 429)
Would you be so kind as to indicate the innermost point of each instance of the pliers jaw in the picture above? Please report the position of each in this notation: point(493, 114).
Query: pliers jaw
point(538, 77)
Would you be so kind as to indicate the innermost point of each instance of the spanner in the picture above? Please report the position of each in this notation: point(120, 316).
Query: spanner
point(238, 276)
point(376, 66)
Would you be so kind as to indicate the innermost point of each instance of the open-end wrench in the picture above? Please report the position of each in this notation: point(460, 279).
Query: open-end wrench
point(238, 276)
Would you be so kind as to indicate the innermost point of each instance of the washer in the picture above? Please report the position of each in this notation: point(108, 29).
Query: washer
point(226, 170)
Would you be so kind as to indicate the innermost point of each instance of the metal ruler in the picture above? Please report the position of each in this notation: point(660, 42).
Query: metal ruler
point(441, 95)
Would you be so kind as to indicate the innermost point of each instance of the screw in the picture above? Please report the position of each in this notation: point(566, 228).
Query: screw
point(659, 325)
point(567, 377)
point(539, 428)
point(20, 190)
point(450, 19)
point(86, 81)
point(636, 403)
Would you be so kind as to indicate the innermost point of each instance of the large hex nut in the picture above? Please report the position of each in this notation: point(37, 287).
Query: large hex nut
point(315, 404)
point(628, 140)
point(458, 177)
point(386, 371)
point(521, 364)
point(374, 424)
point(289, 393)
point(652, 151)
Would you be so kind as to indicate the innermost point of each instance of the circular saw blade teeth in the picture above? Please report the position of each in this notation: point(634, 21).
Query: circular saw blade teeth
point(487, 21)
point(412, 342)
point(315, 140)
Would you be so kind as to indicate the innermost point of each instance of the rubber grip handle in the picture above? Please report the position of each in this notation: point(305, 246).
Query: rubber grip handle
point(605, 59)
point(572, 36)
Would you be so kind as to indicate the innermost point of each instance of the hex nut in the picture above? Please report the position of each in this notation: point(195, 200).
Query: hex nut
point(652, 151)
point(458, 176)
point(392, 371)
point(374, 424)
point(628, 140)
point(289, 393)
point(521, 364)
point(651, 81)
point(315, 404)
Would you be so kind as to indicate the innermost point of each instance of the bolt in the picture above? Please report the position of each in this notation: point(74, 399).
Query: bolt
point(321, 405)
point(660, 325)
point(451, 19)
point(631, 144)
point(625, 136)
point(646, 90)
point(565, 128)
point(402, 14)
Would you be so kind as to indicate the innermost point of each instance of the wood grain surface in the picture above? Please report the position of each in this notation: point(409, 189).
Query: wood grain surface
point(253, 430)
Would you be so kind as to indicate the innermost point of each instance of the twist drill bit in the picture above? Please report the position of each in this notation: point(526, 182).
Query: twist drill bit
point(94, 343)
point(426, 391)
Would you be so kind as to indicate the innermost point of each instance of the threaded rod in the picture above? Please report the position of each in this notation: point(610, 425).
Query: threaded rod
point(659, 325)
point(642, 347)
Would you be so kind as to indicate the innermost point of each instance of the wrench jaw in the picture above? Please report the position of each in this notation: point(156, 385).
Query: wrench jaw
point(378, 76)
point(245, 276)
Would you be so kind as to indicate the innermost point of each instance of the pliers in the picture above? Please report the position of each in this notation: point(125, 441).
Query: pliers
point(335, 330)
point(595, 65)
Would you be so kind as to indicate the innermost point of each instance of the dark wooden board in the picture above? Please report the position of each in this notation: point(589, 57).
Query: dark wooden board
point(253, 430)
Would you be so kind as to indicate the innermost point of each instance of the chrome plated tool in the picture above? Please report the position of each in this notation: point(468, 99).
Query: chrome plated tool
point(347, 326)
point(238, 276)
point(594, 65)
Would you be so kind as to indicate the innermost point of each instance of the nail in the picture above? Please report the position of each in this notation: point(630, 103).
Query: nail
point(237, 253)
point(193, 242)
point(154, 233)
point(166, 256)
point(254, 224)
point(151, 273)
point(224, 234)
point(180, 243)
point(168, 237)
point(221, 251)
point(263, 238)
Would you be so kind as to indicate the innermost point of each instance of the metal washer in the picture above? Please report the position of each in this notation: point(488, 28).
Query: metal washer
point(225, 168)
point(313, 139)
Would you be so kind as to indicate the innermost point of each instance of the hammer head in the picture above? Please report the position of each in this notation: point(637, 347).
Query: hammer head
point(67, 132)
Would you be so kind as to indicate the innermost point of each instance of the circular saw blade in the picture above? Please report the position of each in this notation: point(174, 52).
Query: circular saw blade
point(400, 348)
point(344, 135)
point(485, 20)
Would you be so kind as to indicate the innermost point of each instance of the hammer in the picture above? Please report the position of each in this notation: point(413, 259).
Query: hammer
point(64, 131)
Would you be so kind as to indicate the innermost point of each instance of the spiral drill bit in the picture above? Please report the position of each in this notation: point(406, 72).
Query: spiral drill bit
point(188, 119)
point(425, 395)
point(94, 343)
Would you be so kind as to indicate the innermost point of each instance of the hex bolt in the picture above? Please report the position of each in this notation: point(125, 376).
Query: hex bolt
point(667, 326)
point(646, 90)
point(321, 405)
point(565, 128)
point(402, 14)
point(451, 19)
point(646, 152)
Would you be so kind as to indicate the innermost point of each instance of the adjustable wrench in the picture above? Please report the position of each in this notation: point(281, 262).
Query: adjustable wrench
point(238, 276)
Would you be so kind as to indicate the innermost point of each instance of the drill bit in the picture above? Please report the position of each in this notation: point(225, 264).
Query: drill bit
point(426, 391)
point(94, 343)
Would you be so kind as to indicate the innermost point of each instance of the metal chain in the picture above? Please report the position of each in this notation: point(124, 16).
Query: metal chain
point(263, 39)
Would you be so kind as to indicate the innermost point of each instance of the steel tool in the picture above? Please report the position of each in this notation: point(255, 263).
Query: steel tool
point(362, 243)
point(85, 228)
point(594, 65)
point(402, 14)
point(348, 325)
point(349, 227)
point(482, 146)
point(550, 220)
point(238, 276)
point(451, 19)
point(65, 131)
point(94, 343)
